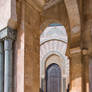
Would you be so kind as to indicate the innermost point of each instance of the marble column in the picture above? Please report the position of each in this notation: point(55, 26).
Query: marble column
point(1, 68)
point(7, 35)
point(8, 66)
point(76, 70)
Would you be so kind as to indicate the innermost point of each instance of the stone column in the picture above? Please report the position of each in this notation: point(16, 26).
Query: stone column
point(85, 60)
point(8, 66)
point(1, 68)
point(7, 35)
point(75, 70)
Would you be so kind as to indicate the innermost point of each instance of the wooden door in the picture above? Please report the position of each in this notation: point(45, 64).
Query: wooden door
point(53, 78)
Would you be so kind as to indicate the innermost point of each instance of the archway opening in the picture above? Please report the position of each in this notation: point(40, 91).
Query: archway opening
point(53, 41)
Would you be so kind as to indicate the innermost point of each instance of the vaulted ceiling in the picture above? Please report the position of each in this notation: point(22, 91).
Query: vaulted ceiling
point(38, 4)
point(42, 4)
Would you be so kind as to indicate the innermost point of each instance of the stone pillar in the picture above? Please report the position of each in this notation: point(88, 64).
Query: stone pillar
point(8, 66)
point(1, 68)
point(85, 60)
point(32, 50)
point(87, 51)
point(75, 70)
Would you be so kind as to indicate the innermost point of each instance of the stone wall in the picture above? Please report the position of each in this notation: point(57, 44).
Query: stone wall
point(27, 44)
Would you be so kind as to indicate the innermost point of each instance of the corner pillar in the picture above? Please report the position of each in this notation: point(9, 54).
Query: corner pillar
point(85, 60)
point(75, 70)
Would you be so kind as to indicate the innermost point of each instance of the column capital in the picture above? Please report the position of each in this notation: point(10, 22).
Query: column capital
point(7, 33)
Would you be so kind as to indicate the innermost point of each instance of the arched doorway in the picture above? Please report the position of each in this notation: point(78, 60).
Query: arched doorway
point(53, 46)
point(53, 78)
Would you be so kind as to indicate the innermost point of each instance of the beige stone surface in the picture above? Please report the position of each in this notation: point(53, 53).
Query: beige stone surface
point(32, 52)
point(19, 61)
point(76, 72)
point(30, 19)
point(5, 13)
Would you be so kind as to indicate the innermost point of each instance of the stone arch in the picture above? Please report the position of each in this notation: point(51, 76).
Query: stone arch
point(52, 50)
point(74, 15)
point(63, 63)
point(51, 21)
